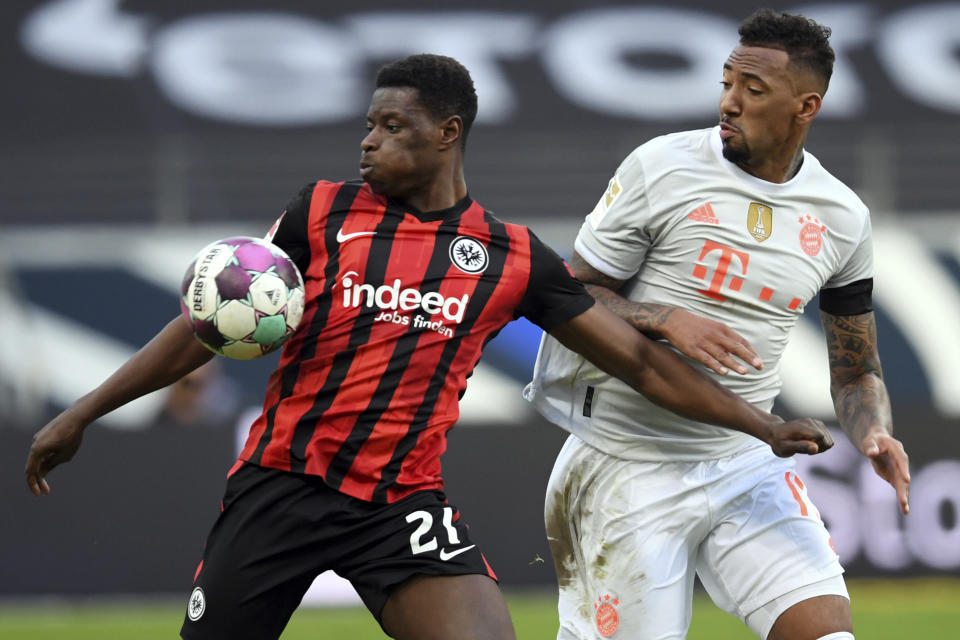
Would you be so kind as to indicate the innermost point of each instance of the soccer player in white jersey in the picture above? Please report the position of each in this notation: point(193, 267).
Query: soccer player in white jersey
point(715, 240)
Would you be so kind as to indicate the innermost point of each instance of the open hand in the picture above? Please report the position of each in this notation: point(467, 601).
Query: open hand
point(54, 444)
point(709, 342)
point(805, 435)
point(889, 460)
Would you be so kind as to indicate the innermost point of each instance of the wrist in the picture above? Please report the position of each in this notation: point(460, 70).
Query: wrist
point(769, 422)
point(868, 434)
point(83, 411)
point(660, 321)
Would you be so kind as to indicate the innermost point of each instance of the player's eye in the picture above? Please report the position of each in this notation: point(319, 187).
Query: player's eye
point(754, 92)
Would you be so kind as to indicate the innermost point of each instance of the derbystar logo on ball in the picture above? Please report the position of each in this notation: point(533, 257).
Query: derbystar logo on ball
point(243, 297)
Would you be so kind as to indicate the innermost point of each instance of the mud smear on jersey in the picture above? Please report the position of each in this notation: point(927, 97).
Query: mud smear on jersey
point(563, 534)
point(571, 507)
point(599, 566)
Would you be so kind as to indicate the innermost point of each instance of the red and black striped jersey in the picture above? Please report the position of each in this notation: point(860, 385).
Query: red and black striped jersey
point(399, 305)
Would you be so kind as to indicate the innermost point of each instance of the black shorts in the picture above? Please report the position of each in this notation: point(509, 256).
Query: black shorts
point(277, 531)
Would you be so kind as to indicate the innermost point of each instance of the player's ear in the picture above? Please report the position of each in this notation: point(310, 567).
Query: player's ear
point(808, 107)
point(451, 129)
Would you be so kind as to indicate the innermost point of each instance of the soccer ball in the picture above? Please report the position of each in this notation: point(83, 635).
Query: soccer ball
point(242, 296)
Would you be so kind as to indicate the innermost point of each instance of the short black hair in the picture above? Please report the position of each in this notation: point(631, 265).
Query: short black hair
point(444, 85)
point(807, 43)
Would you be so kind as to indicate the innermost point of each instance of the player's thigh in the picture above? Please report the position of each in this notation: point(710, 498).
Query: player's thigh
point(768, 542)
point(259, 559)
point(227, 604)
point(624, 536)
point(447, 608)
point(812, 618)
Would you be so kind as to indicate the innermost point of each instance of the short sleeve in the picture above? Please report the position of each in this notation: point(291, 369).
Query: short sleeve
point(859, 266)
point(614, 238)
point(289, 232)
point(553, 294)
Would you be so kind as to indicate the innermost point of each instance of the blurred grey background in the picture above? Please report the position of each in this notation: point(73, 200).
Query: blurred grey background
point(133, 133)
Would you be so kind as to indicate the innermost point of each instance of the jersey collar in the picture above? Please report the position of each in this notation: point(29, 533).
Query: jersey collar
point(433, 216)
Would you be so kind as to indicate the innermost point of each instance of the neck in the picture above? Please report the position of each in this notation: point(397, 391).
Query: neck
point(778, 169)
point(782, 164)
point(446, 190)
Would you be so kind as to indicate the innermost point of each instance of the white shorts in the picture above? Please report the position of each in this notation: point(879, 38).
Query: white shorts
point(628, 536)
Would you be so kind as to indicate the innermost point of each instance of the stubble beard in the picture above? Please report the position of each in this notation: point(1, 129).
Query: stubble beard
point(739, 156)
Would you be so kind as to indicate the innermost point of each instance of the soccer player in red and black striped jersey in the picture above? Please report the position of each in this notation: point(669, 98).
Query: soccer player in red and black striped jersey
point(407, 278)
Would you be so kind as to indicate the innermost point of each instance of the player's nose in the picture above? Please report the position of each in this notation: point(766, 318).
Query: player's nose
point(729, 103)
point(370, 141)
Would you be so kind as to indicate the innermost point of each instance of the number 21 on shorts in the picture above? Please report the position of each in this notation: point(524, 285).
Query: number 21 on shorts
point(420, 544)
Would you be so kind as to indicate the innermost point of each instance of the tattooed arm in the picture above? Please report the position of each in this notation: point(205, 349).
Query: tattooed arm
point(709, 342)
point(860, 397)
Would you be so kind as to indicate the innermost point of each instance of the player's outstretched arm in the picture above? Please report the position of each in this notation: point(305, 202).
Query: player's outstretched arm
point(712, 343)
point(860, 397)
point(170, 355)
point(661, 375)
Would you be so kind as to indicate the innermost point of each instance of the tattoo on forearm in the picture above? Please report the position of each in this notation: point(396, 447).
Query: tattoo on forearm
point(646, 317)
point(856, 378)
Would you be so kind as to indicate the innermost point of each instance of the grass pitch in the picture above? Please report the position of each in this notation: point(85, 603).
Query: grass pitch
point(882, 610)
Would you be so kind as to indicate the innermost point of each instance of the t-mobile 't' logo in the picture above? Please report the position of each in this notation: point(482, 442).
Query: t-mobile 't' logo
point(723, 265)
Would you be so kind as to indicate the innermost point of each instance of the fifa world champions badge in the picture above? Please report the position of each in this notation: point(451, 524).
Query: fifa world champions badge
point(759, 221)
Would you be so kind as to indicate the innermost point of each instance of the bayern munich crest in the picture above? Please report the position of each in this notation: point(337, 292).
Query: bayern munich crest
point(607, 616)
point(468, 254)
point(811, 235)
point(197, 604)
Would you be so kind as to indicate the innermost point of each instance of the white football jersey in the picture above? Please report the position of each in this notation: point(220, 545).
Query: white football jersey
point(683, 226)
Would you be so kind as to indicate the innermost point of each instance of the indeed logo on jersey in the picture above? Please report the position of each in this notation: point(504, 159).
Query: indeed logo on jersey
point(393, 298)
